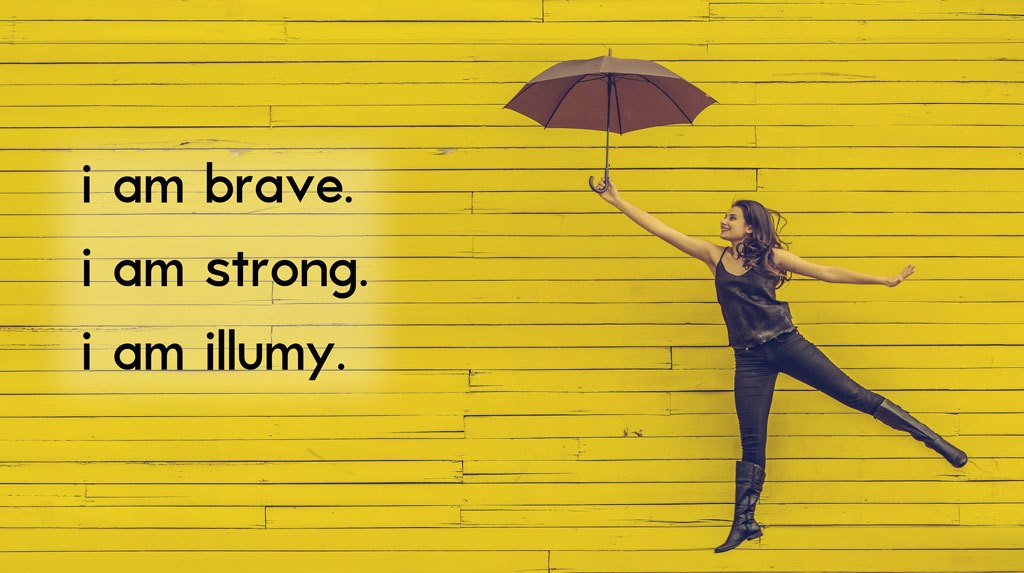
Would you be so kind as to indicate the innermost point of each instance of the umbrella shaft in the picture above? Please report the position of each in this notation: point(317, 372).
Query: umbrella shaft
point(607, 135)
point(608, 127)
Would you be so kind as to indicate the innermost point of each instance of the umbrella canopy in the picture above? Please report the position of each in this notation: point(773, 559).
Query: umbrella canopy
point(609, 94)
point(643, 93)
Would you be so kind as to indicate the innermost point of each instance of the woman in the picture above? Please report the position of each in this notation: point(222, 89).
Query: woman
point(765, 341)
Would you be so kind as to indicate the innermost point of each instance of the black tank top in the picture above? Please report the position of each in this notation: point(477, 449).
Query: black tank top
point(751, 312)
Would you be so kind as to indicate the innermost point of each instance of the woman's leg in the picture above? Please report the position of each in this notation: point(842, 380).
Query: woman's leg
point(798, 358)
point(753, 389)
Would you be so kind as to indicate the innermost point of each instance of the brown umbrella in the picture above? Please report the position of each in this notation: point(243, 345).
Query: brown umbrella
point(609, 94)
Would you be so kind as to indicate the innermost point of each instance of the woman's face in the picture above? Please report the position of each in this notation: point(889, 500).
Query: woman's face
point(734, 227)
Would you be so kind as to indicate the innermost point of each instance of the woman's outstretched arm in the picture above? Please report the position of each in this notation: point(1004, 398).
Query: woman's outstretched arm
point(790, 262)
point(697, 248)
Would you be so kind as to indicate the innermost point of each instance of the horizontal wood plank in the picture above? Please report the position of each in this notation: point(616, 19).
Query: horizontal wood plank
point(693, 537)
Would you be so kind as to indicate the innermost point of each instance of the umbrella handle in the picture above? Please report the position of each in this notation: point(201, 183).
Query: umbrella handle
point(596, 190)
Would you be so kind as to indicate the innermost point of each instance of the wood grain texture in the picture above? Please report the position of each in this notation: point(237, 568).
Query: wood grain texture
point(531, 382)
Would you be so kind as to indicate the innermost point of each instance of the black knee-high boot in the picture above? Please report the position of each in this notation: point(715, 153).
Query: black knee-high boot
point(749, 481)
point(895, 417)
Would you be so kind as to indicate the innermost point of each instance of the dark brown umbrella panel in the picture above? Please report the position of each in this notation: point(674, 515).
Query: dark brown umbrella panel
point(609, 94)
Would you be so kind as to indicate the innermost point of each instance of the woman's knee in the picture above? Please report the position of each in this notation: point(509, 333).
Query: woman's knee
point(872, 402)
point(862, 399)
point(754, 447)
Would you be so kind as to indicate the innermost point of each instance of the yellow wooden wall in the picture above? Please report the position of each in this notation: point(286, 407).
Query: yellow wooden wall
point(533, 383)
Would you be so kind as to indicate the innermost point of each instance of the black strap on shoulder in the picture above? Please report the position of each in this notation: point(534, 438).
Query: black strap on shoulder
point(723, 254)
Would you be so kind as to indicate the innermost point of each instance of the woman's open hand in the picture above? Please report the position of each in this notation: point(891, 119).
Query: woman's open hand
point(906, 272)
point(608, 191)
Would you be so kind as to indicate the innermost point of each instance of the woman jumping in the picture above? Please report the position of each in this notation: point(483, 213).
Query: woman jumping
point(765, 341)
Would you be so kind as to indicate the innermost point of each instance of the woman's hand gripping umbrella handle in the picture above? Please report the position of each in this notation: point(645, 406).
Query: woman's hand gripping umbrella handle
point(608, 191)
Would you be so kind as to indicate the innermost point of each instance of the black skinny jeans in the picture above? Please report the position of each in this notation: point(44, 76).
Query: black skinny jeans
point(792, 354)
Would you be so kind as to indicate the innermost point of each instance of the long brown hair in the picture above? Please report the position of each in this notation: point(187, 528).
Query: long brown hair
point(756, 248)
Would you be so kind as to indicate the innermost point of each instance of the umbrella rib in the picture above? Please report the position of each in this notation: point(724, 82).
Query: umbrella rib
point(561, 99)
point(670, 99)
point(639, 77)
point(521, 92)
